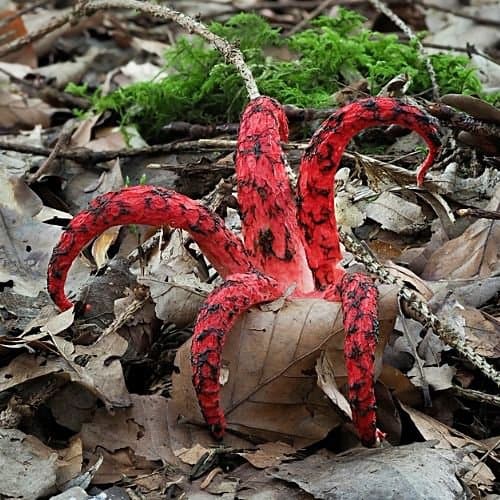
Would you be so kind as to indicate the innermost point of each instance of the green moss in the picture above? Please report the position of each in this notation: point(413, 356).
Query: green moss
point(334, 52)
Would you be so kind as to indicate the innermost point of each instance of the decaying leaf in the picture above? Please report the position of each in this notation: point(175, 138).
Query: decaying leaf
point(173, 283)
point(414, 472)
point(438, 377)
point(135, 436)
point(326, 380)
point(269, 454)
point(97, 367)
point(28, 467)
point(271, 391)
point(396, 214)
point(20, 111)
point(70, 461)
point(479, 474)
point(25, 249)
point(475, 253)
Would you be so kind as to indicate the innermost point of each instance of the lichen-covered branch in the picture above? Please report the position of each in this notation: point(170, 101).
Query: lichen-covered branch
point(418, 308)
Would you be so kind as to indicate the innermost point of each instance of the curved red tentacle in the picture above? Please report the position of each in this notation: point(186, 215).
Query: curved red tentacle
point(216, 318)
point(319, 164)
point(269, 217)
point(145, 205)
point(359, 294)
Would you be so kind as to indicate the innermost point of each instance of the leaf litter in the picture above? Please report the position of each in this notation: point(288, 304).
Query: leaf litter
point(115, 404)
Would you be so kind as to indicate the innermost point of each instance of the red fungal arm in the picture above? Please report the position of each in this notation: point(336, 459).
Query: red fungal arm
point(269, 217)
point(359, 297)
point(319, 164)
point(145, 205)
point(216, 318)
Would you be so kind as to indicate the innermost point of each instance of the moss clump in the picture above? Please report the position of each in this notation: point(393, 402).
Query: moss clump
point(334, 52)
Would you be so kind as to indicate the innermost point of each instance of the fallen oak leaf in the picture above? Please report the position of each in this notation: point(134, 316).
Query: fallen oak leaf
point(270, 359)
point(475, 253)
point(97, 367)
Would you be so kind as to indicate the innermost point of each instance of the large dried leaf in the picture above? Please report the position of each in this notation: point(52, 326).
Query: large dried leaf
point(136, 436)
point(396, 214)
point(24, 112)
point(410, 472)
point(25, 249)
point(27, 467)
point(479, 475)
point(475, 253)
point(97, 367)
point(269, 359)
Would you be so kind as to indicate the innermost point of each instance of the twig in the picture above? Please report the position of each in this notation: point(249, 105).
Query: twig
point(69, 17)
point(288, 4)
point(418, 308)
point(479, 396)
point(380, 6)
point(84, 155)
point(6, 20)
point(62, 141)
point(325, 4)
point(479, 213)
point(128, 313)
point(86, 8)
point(418, 360)
point(463, 121)
point(232, 54)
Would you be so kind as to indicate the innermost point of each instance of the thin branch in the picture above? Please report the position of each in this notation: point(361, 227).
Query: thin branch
point(86, 8)
point(62, 141)
point(311, 15)
point(418, 308)
point(69, 17)
point(232, 54)
point(478, 213)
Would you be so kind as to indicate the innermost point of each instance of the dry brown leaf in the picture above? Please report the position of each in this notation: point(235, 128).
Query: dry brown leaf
point(438, 377)
point(400, 386)
point(475, 253)
point(122, 463)
point(271, 390)
point(480, 475)
point(62, 73)
point(12, 30)
point(97, 367)
point(396, 214)
point(173, 283)
point(482, 332)
point(28, 466)
point(132, 439)
point(72, 406)
point(326, 380)
point(432, 429)
point(16, 195)
point(191, 455)
point(102, 243)
point(415, 472)
point(25, 249)
point(70, 461)
point(269, 454)
point(18, 111)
